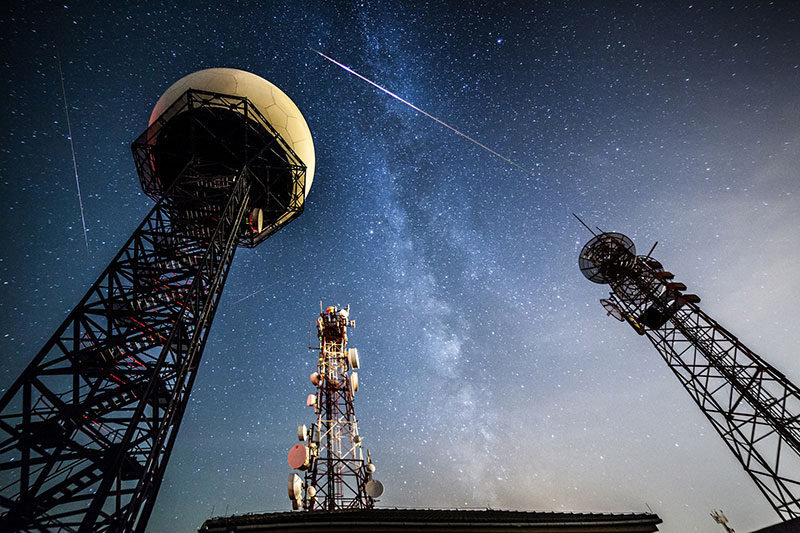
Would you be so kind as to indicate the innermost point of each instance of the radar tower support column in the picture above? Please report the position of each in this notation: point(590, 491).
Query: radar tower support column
point(337, 476)
point(752, 405)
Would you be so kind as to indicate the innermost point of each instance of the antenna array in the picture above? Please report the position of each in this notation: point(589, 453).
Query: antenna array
point(330, 453)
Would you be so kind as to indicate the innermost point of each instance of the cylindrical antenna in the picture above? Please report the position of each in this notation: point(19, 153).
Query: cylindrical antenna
point(584, 224)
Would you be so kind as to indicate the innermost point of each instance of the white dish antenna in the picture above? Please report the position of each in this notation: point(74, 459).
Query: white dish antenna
point(311, 400)
point(354, 381)
point(256, 220)
point(302, 433)
point(374, 488)
point(352, 357)
point(295, 487)
point(315, 379)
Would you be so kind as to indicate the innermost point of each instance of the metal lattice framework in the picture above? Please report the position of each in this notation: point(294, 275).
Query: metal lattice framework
point(751, 405)
point(87, 429)
point(336, 474)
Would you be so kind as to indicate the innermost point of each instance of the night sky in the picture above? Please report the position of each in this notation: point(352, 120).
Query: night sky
point(491, 376)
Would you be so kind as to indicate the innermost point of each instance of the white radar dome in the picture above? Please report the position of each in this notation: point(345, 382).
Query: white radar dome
point(277, 108)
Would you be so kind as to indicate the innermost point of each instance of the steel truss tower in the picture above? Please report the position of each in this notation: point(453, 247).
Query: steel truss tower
point(87, 429)
point(336, 474)
point(753, 406)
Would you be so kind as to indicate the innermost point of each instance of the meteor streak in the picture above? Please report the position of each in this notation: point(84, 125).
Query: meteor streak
point(250, 295)
point(72, 147)
point(412, 106)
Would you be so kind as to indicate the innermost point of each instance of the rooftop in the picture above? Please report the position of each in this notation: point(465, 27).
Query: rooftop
point(386, 520)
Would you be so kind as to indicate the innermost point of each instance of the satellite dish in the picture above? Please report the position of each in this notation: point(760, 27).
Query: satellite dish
point(371, 468)
point(607, 257)
point(312, 491)
point(295, 487)
point(374, 488)
point(315, 378)
point(311, 400)
point(256, 220)
point(352, 357)
point(302, 433)
point(613, 310)
point(354, 381)
point(299, 457)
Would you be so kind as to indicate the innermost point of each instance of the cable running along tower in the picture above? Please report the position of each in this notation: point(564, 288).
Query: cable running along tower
point(752, 406)
point(87, 429)
point(331, 454)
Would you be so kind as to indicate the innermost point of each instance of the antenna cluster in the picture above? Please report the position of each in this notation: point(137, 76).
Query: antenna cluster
point(752, 405)
point(330, 453)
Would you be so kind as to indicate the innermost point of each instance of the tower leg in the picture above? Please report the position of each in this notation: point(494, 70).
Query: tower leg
point(86, 430)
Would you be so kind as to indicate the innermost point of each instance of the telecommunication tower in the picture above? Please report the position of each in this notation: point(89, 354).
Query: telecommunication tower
point(331, 455)
point(752, 406)
point(87, 429)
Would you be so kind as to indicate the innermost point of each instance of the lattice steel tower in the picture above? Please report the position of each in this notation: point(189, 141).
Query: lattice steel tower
point(753, 406)
point(331, 453)
point(87, 429)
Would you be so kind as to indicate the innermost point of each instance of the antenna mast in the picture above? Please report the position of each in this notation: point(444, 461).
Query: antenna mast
point(331, 454)
point(720, 518)
point(752, 406)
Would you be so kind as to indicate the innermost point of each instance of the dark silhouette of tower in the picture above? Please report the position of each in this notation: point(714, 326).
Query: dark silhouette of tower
point(331, 453)
point(87, 429)
point(753, 406)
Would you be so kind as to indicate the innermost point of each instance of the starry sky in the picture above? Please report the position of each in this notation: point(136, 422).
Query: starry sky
point(491, 376)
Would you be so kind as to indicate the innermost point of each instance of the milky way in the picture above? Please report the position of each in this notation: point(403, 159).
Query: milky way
point(491, 374)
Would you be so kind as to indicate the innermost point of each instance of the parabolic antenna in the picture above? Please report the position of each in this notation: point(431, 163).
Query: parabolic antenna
point(302, 433)
point(299, 457)
point(374, 488)
point(612, 309)
point(352, 357)
point(354, 381)
point(295, 487)
point(607, 257)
